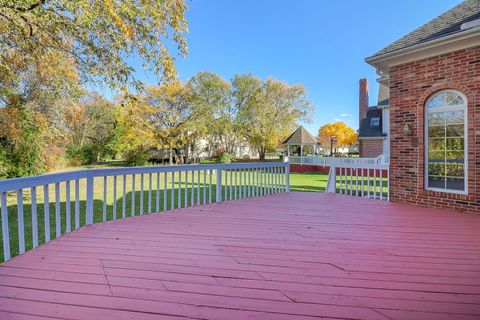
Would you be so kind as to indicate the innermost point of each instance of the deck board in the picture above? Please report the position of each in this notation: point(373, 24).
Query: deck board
point(289, 256)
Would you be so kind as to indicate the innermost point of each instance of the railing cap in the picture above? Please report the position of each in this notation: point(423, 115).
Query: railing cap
point(34, 181)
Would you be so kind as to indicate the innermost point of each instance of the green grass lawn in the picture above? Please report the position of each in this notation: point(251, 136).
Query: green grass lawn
point(308, 182)
point(298, 182)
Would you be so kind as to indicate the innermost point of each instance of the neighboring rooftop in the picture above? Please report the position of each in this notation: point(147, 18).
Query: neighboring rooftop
point(371, 126)
point(301, 136)
point(446, 24)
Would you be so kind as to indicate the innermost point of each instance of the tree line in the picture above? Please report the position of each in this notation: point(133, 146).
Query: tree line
point(44, 131)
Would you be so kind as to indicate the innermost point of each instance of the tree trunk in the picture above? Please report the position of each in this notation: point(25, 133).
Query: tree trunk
point(261, 154)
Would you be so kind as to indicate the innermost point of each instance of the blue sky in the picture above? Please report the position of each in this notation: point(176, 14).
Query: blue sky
point(320, 44)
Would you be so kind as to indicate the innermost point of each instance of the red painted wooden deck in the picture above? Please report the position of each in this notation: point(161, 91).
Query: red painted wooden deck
point(289, 256)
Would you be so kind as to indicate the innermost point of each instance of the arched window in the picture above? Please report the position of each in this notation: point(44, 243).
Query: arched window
point(446, 142)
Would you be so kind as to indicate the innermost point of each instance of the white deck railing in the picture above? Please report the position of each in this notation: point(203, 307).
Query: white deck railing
point(361, 180)
point(329, 161)
point(97, 195)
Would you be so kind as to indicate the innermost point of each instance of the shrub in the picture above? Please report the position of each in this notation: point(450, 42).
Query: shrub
point(225, 158)
point(20, 148)
point(81, 155)
point(137, 157)
point(218, 152)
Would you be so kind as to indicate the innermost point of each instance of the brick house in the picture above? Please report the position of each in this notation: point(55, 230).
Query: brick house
point(431, 78)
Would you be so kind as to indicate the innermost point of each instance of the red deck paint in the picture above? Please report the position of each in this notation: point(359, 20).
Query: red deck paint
point(288, 256)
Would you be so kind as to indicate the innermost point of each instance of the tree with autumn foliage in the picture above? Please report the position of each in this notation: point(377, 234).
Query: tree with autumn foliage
point(344, 135)
point(50, 48)
point(98, 36)
point(163, 117)
point(33, 101)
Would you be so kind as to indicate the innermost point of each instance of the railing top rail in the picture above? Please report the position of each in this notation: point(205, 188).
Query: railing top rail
point(33, 181)
point(333, 158)
point(382, 166)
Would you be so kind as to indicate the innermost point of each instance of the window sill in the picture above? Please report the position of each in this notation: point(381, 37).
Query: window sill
point(446, 191)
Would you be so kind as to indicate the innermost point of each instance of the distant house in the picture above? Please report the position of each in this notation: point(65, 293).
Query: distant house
point(373, 135)
point(430, 81)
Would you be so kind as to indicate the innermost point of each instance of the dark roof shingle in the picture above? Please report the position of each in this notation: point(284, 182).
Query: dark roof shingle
point(301, 136)
point(446, 24)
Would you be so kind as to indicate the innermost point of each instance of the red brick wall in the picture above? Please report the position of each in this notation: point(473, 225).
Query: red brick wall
point(370, 148)
point(297, 168)
point(411, 85)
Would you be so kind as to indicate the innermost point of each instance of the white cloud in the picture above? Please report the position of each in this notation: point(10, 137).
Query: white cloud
point(337, 119)
point(346, 115)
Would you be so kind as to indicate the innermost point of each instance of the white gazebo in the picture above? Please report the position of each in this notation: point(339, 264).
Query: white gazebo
point(301, 138)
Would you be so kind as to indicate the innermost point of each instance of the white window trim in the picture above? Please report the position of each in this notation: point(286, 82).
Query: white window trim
point(377, 120)
point(447, 108)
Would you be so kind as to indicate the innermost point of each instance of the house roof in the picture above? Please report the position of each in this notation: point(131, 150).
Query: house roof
point(446, 24)
point(301, 136)
point(384, 102)
point(366, 129)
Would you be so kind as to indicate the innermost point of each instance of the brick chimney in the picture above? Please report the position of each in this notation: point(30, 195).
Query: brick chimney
point(363, 99)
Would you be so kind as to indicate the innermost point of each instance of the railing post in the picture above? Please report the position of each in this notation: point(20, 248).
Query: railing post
point(219, 185)
point(332, 180)
point(89, 207)
point(5, 229)
point(388, 183)
point(287, 177)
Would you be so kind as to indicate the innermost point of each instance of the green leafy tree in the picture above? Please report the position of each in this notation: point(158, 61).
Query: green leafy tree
point(211, 97)
point(92, 130)
point(20, 152)
point(268, 110)
point(172, 116)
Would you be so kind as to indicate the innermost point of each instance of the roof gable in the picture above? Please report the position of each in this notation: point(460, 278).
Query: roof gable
point(446, 24)
point(301, 136)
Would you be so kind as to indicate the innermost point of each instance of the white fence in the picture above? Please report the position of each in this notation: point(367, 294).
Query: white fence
point(77, 198)
point(329, 161)
point(360, 180)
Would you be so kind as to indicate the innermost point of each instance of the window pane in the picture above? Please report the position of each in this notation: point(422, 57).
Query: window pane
point(456, 144)
point(455, 170)
point(436, 144)
point(456, 184)
point(436, 131)
point(437, 100)
point(446, 98)
point(455, 156)
point(436, 118)
point(454, 117)
point(436, 182)
point(436, 169)
point(436, 156)
point(455, 130)
point(453, 99)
